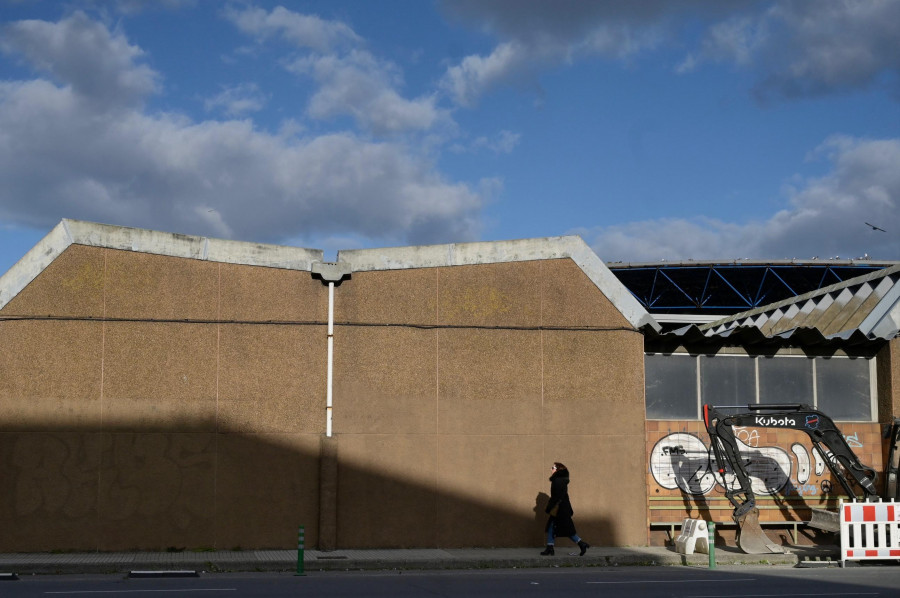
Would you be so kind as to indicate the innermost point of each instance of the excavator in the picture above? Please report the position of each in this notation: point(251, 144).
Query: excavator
point(826, 438)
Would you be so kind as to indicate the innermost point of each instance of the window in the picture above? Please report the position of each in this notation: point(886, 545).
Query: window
point(844, 388)
point(785, 380)
point(678, 384)
point(728, 379)
point(671, 386)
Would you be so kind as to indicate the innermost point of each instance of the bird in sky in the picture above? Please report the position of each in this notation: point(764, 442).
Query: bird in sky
point(873, 227)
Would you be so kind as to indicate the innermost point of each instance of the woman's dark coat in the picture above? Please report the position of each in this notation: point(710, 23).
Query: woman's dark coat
point(559, 495)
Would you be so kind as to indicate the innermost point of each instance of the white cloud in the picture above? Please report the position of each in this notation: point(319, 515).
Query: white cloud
point(736, 40)
point(824, 217)
point(503, 142)
point(802, 49)
point(304, 31)
point(100, 66)
point(61, 156)
point(466, 81)
point(350, 80)
point(237, 100)
point(535, 35)
point(360, 85)
point(795, 48)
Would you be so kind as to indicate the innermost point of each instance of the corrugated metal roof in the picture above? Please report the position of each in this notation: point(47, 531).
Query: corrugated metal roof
point(855, 311)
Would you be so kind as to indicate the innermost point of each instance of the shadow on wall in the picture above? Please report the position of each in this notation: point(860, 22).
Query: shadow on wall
point(81, 489)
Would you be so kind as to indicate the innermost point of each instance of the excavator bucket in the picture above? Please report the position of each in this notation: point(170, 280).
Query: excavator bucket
point(750, 536)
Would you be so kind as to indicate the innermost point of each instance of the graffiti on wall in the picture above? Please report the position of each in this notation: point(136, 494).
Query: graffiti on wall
point(123, 475)
point(682, 461)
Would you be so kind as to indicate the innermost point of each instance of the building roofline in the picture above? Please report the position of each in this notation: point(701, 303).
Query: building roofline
point(752, 263)
point(492, 252)
point(76, 232)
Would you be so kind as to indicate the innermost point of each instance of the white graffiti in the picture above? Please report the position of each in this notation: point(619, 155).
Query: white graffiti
point(802, 462)
point(683, 461)
point(820, 461)
point(748, 437)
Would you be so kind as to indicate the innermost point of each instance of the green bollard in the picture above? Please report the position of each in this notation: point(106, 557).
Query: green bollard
point(711, 526)
point(301, 545)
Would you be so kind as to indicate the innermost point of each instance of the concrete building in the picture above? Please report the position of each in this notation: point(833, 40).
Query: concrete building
point(158, 391)
point(167, 391)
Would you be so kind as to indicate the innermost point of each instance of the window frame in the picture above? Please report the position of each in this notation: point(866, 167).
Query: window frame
point(813, 359)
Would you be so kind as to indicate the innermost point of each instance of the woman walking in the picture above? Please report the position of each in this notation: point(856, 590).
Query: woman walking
point(560, 510)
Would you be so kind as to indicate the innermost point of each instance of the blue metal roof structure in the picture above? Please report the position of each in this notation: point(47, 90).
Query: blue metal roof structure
point(723, 288)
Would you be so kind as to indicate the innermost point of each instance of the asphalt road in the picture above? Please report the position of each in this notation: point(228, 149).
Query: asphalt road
point(630, 582)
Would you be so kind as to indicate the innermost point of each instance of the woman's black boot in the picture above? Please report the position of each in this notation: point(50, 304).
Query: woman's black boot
point(583, 546)
point(548, 551)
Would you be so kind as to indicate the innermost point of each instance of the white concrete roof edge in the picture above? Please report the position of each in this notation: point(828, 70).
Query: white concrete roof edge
point(192, 247)
point(77, 232)
point(491, 252)
point(69, 232)
point(33, 262)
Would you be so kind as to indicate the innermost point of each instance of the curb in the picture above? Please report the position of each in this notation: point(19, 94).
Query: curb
point(376, 560)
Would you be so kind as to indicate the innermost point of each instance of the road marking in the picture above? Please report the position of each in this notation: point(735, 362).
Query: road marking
point(785, 595)
point(139, 591)
point(641, 581)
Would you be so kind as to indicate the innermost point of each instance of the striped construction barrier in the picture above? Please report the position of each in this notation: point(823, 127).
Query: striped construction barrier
point(869, 531)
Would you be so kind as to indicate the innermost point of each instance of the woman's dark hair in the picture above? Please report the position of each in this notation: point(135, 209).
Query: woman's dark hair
point(560, 466)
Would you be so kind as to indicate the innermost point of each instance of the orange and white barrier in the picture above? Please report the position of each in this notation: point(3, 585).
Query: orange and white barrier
point(870, 530)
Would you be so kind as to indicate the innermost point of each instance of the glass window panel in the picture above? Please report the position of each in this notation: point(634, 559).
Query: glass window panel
point(843, 388)
point(727, 380)
point(785, 380)
point(671, 386)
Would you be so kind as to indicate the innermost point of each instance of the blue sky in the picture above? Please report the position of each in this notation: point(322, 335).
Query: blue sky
point(654, 129)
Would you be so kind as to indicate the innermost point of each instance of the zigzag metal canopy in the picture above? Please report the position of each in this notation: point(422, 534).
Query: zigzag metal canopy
point(867, 306)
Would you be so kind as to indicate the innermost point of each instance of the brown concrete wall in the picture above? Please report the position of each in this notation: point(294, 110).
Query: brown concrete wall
point(180, 403)
point(163, 413)
point(447, 427)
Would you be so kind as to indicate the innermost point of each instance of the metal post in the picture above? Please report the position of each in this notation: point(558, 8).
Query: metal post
point(301, 544)
point(711, 526)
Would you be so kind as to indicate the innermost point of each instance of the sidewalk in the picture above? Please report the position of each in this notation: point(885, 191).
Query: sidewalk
point(354, 560)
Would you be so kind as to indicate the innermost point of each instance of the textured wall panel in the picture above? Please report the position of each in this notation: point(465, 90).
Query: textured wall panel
point(571, 299)
point(388, 297)
point(50, 374)
point(144, 286)
point(385, 380)
point(490, 295)
point(159, 377)
point(488, 490)
point(156, 491)
point(253, 293)
point(71, 286)
point(387, 495)
point(49, 490)
point(593, 382)
point(272, 379)
point(490, 382)
point(266, 485)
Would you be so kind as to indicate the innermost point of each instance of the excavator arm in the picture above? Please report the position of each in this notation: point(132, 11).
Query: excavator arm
point(825, 437)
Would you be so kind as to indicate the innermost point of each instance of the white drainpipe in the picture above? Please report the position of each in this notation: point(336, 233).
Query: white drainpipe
point(331, 273)
point(329, 384)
